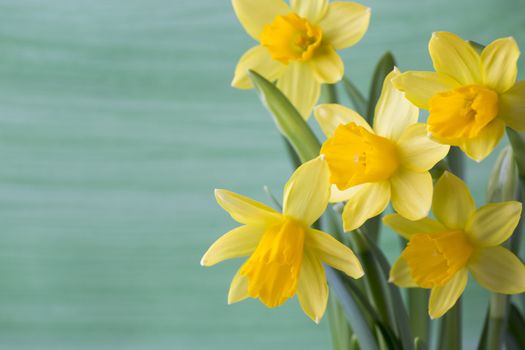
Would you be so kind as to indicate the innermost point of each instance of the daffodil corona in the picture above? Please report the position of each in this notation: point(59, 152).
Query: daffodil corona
point(472, 96)
point(298, 44)
point(440, 253)
point(369, 166)
point(285, 254)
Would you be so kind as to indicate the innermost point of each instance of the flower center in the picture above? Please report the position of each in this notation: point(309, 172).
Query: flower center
point(273, 268)
point(355, 156)
point(462, 112)
point(291, 38)
point(434, 258)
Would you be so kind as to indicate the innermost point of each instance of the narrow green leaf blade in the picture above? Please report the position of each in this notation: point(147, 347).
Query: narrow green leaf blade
point(289, 122)
point(385, 65)
point(357, 99)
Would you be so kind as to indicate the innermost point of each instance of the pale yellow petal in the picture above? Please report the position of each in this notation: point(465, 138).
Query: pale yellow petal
point(333, 252)
point(482, 145)
point(411, 193)
point(406, 228)
point(453, 56)
point(452, 204)
point(512, 106)
point(330, 116)
point(444, 298)
point(336, 195)
point(417, 151)
point(307, 191)
point(255, 14)
point(498, 270)
point(500, 60)
point(494, 223)
point(345, 24)
point(367, 201)
point(240, 241)
point(245, 210)
point(327, 65)
point(400, 274)
point(420, 87)
point(313, 10)
point(312, 289)
point(393, 112)
point(300, 85)
point(259, 60)
point(238, 289)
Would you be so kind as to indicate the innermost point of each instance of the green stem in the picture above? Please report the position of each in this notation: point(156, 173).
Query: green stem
point(450, 333)
point(497, 321)
point(456, 161)
point(417, 308)
point(330, 93)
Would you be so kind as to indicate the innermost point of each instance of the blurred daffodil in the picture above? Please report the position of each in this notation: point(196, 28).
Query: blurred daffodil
point(369, 166)
point(471, 96)
point(441, 252)
point(298, 43)
point(285, 253)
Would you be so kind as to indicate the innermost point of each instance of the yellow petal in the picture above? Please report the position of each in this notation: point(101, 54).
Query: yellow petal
point(313, 10)
point(400, 274)
point(481, 146)
point(258, 59)
point(417, 151)
point(452, 204)
point(255, 14)
point(245, 210)
point(368, 200)
point(300, 85)
point(330, 116)
point(512, 106)
point(345, 24)
point(327, 65)
point(498, 270)
point(443, 298)
point(453, 56)
point(336, 195)
point(393, 113)
point(333, 252)
point(494, 223)
point(419, 87)
point(412, 193)
point(312, 290)
point(238, 289)
point(240, 241)
point(500, 59)
point(307, 191)
point(406, 228)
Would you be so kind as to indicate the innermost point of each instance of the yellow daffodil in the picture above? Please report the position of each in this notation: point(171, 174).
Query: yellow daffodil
point(298, 43)
point(369, 166)
point(441, 252)
point(285, 254)
point(471, 97)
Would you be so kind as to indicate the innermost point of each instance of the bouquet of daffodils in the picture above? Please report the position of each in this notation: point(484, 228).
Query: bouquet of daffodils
point(323, 235)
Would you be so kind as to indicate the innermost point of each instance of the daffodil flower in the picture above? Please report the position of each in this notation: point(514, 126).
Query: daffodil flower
point(471, 96)
point(369, 166)
point(298, 43)
point(463, 239)
point(285, 253)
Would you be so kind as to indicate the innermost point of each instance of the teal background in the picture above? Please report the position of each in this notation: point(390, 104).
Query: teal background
point(116, 123)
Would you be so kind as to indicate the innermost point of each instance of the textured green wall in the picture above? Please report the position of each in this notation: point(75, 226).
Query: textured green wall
point(116, 123)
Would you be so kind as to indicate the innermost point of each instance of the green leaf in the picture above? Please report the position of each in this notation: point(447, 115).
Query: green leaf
point(289, 122)
point(359, 103)
point(477, 46)
point(515, 339)
point(450, 332)
point(503, 179)
point(517, 141)
point(351, 309)
point(420, 344)
point(385, 65)
point(339, 329)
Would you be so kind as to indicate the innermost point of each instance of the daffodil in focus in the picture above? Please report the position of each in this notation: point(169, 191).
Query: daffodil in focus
point(369, 166)
point(285, 253)
point(471, 96)
point(463, 239)
point(298, 43)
